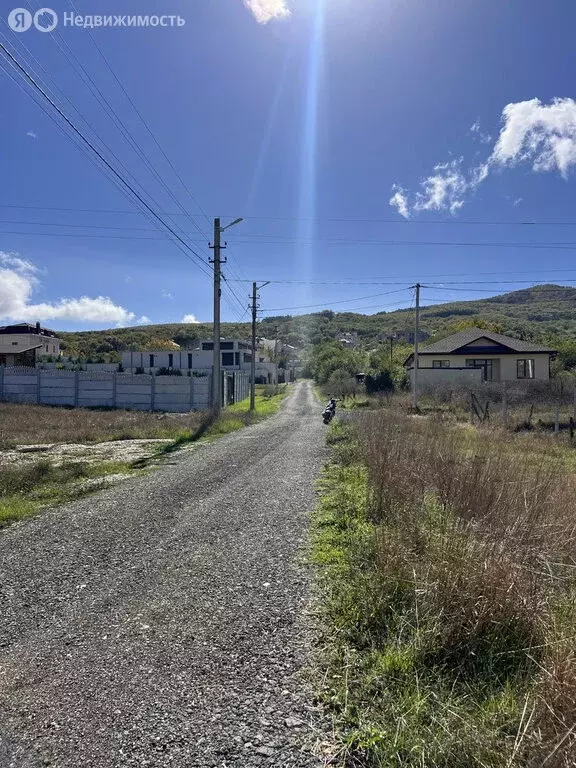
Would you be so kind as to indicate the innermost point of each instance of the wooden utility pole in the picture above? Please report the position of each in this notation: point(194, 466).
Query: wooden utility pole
point(254, 308)
point(216, 371)
point(416, 335)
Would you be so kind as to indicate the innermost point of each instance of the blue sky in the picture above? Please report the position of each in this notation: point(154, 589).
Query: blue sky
point(358, 139)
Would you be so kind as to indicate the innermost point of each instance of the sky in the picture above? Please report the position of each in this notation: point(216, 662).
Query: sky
point(367, 145)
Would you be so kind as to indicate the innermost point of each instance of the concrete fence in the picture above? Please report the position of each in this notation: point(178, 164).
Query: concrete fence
point(177, 394)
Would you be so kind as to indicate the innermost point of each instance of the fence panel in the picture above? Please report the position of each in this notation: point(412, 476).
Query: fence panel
point(178, 394)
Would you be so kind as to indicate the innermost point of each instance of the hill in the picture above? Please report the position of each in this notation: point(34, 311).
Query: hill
point(544, 312)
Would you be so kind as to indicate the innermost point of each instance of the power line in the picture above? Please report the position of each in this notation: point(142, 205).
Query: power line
point(340, 301)
point(288, 218)
point(197, 259)
point(357, 309)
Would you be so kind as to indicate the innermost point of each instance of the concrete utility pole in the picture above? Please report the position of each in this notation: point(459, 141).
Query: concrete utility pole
point(216, 375)
point(254, 308)
point(416, 335)
point(216, 361)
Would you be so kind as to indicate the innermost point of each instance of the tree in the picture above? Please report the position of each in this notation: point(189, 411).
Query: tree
point(379, 382)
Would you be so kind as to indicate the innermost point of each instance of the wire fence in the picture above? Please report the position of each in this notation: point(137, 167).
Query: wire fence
point(520, 405)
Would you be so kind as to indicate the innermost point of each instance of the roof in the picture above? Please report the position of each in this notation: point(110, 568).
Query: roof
point(470, 335)
point(27, 328)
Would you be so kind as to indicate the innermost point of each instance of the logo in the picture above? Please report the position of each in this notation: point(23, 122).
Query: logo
point(45, 20)
point(20, 20)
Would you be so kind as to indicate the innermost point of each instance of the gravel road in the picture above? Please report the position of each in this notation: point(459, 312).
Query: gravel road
point(161, 622)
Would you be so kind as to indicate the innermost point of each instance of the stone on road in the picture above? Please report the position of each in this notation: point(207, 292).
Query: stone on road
point(160, 622)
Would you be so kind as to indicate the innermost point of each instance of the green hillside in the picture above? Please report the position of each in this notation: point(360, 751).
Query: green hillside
point(545, 312)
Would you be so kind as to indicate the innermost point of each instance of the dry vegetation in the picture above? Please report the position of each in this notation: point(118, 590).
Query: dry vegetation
point(28, 485)
point(448, 561)
point(30, 424)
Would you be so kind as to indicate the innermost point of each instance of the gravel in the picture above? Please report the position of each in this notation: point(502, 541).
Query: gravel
point(162, 622)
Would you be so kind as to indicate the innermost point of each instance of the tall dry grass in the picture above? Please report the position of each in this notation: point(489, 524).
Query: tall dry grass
point(476, 570)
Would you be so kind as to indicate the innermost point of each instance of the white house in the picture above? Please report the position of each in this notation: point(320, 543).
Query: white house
point(498, 357)
point(23, 344)
point(235, 355)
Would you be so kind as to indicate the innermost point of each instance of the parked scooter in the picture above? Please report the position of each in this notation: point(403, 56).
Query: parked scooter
point(329, 412)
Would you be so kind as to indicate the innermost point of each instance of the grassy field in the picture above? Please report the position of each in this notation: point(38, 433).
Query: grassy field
point(26, 489)
point(30, 424)
point(447, 562)
point(267, 402)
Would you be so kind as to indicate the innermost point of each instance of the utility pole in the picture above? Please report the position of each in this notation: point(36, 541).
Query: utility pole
point(216, 373)
point(254, 308)
point(216, 367)
point(416, 335)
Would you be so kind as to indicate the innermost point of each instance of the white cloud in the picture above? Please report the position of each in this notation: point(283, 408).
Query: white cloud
point(32, 135)
point(399, 200)
point(539, 134)
point(167, 295)
point(475, 129)
point(266, 10)
point(443, 190)
point(190, 319)
point(18, 280)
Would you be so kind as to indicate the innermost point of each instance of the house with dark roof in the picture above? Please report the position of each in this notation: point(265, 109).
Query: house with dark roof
point(23, 344)
point(494, 356)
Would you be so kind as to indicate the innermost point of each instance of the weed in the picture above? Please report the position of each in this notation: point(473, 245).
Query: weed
point(447, 566)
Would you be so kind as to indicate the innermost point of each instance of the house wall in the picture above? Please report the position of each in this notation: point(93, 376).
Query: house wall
point(11, 343)
point(177, 394)
point(507, 364)
point(445, 376)
point(201, 360)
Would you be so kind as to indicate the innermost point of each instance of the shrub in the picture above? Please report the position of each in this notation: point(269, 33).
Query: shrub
point(379, 382)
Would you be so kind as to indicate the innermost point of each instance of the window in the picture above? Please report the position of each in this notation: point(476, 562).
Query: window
point(227, 358)
point(486, 366)
point(236, 358)
point(524, 369)
point(207, 346)
point(189, 361)
point(170, 360)
point(440, 363)
point(226, 345)
point(151, 361)
point(247, 357)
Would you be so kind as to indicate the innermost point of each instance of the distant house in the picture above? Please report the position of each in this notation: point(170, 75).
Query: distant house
point(406, 336)
point(349, 339)
point(497, 357)
point(23, 344)
point(234, 356)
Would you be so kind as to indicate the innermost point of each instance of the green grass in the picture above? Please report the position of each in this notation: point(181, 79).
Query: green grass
point(25, 490)
point(412, 677)
point(267, 403)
